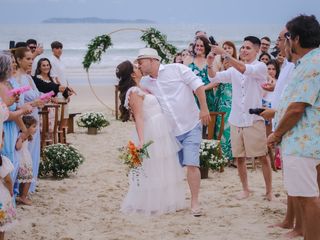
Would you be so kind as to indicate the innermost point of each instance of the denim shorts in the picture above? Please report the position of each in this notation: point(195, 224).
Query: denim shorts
point(190, 141)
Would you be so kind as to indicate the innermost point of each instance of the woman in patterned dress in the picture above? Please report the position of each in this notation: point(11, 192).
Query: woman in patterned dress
point(199, 66)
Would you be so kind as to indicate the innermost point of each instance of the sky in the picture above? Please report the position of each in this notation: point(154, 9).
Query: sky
point(161, 11)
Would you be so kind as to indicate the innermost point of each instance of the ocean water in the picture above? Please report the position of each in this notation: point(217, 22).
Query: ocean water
point(75, 38)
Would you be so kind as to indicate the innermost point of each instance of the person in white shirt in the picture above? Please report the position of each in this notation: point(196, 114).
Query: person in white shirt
point(248, 133)
point(58, 68)
point(174, 85)
point(293, 218)
point(58, 73)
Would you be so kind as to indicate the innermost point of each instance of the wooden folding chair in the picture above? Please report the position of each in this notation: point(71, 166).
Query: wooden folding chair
point(62, 124)
point(212, 127)
point(48, 137)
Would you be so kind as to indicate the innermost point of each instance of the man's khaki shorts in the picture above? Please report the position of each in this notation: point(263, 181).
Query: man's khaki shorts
point(249, 141)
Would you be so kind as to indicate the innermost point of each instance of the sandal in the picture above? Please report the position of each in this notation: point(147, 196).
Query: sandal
point(196, 213)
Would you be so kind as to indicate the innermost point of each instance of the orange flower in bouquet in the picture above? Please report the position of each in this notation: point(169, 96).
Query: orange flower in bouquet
point(133, 156)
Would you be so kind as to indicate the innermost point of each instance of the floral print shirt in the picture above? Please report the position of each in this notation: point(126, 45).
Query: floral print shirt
point(304, 138)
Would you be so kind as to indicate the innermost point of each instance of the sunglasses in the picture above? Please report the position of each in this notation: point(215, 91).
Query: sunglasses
point(287, 35)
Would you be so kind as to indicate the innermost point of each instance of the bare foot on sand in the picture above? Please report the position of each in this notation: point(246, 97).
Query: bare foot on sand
point(25, 201)
point(293, 234)
point(243, 195)
point(285, 224)
point(268, 196)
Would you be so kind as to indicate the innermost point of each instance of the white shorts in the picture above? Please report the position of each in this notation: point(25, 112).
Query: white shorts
point(300, 176)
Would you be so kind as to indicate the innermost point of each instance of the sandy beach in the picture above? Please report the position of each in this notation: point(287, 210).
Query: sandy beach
point(86, 205)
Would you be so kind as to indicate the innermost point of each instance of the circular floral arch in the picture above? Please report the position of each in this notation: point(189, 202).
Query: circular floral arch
point(151, 36)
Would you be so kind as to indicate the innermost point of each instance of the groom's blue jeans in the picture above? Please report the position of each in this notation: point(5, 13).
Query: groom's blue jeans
point(190, 141)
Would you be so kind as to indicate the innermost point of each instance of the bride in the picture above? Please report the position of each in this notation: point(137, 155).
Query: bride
point(158, 187)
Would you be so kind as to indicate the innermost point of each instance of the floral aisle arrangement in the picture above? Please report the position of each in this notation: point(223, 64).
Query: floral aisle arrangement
point(92, 120)
point(211, 155)
point(59, 160)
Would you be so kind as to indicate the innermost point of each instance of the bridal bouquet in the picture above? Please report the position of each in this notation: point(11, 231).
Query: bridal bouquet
point(132, 156)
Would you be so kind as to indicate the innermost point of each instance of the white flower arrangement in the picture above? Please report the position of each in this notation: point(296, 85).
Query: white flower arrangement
point(92, 120)
point(59, 160)
point(211, 155)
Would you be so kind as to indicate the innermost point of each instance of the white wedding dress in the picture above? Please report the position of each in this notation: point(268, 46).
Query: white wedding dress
point(157, 187)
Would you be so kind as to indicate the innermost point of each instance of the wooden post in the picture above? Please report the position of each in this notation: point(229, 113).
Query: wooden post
point(116, 101)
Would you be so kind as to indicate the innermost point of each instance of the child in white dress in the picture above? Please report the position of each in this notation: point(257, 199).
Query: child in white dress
point(25, 173)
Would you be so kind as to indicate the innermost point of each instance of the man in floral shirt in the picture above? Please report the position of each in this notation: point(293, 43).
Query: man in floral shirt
point(298, 122)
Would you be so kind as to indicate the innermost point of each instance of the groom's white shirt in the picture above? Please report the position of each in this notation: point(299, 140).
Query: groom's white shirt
point(174, 90)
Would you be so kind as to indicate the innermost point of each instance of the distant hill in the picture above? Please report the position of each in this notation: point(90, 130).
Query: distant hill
point(94, 20)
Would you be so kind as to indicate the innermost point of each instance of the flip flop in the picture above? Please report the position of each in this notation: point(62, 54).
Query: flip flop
point(196, 213)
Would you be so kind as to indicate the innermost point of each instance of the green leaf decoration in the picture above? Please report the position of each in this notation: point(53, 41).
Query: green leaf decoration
point(158, 41)
point(96, 47)
point(152, 37)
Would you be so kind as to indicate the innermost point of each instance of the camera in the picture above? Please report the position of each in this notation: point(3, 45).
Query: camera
point(66, 92)
point(11, 44)
point(256, 111)
point(212, 41)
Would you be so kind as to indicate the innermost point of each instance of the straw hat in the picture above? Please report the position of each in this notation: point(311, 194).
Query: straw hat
point(148, 53)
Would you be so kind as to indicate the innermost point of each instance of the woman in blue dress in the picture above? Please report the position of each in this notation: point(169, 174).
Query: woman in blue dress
point(14, 123)
point(24, 60)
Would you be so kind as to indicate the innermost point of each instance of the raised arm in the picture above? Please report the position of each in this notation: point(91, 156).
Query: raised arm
point(237, 64)
point(23, 137)
point(216, 77)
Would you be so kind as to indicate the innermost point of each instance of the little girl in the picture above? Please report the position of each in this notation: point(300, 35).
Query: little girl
point(7, 210)
point(25, 177)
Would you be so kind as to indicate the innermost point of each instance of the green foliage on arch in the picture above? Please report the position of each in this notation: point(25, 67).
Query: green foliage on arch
point(158, 41)
point(152, 37)
point(96, 47)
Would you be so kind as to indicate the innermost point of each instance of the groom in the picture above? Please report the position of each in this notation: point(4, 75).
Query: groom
point(174, 85)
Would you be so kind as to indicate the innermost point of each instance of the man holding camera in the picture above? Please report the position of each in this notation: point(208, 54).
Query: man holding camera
point(248, 134)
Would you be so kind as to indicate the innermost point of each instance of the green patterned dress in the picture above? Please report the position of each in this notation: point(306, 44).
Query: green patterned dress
point(203, 74)
point(223, 104)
